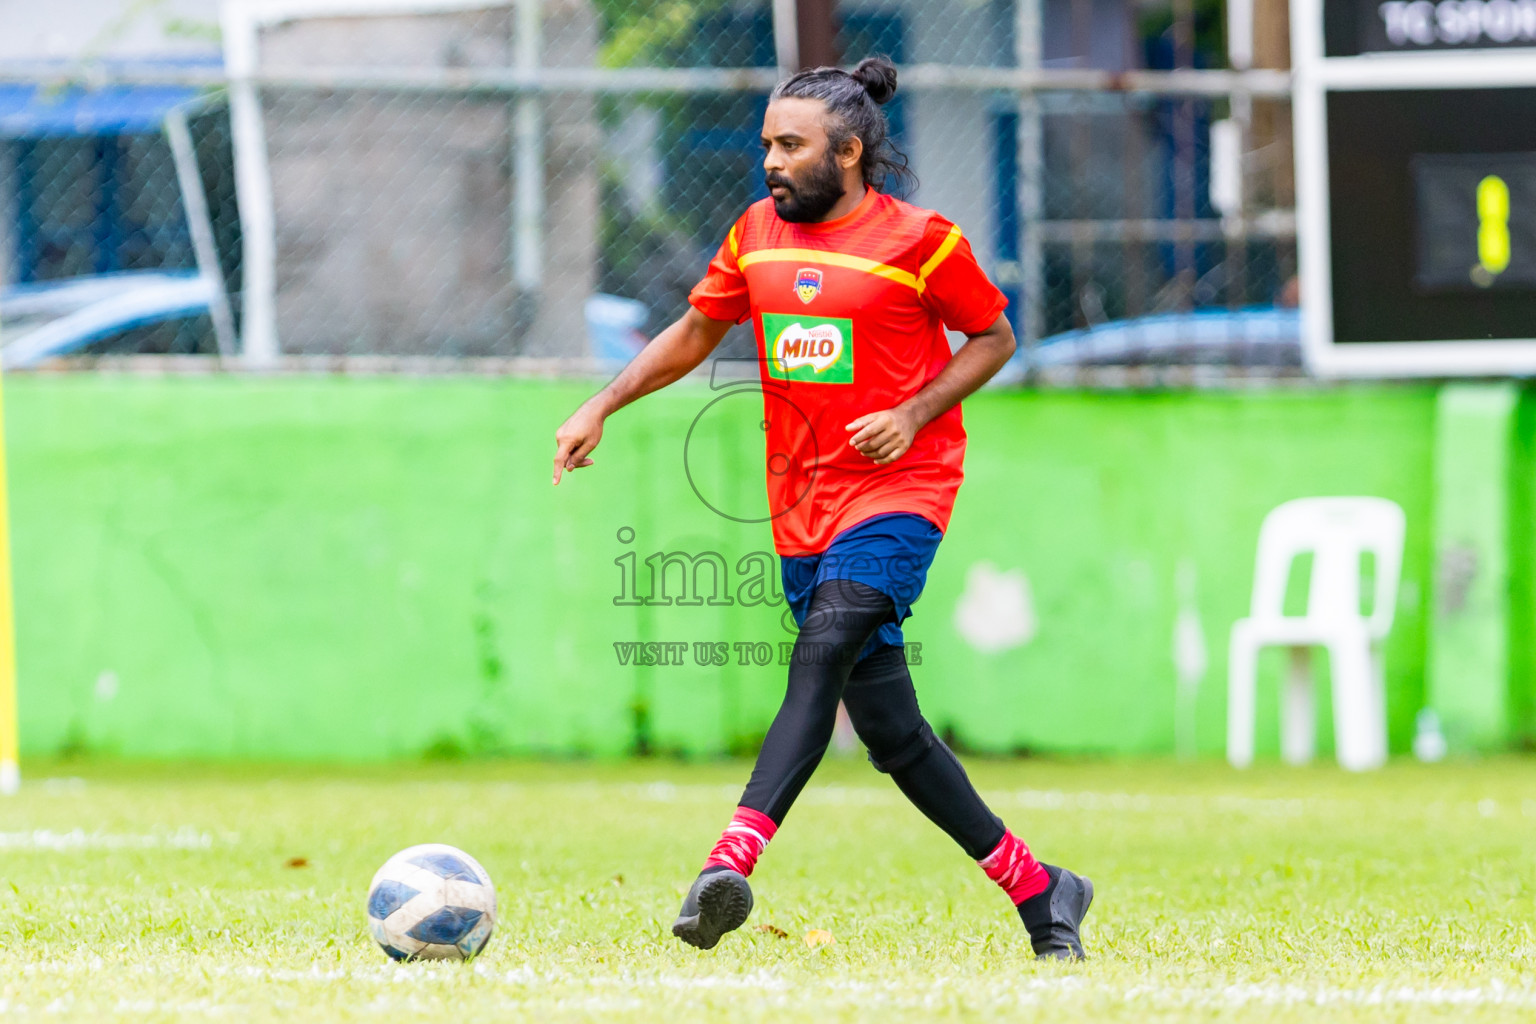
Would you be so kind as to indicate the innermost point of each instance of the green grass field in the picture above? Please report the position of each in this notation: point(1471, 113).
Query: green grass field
point(177, 893)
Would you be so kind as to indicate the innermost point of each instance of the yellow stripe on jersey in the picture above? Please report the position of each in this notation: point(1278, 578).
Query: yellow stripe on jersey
point(831, 259)
point(731, 237)
point(945, 248)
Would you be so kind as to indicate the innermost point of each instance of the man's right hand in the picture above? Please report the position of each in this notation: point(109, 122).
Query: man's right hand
point(575, 440)
point(672, 353)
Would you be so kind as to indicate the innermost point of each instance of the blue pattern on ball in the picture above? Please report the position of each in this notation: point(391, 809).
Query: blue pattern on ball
point(446, 926)
point(474, 940)
point(389, 897)
point(446, 865)
point(376, 929)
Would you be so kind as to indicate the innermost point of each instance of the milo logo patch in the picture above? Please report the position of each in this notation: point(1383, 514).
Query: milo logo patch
point(818, 347)
point(809, 348)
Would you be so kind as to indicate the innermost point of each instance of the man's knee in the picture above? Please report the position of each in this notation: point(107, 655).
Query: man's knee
point(892, 750)
point(883, 709)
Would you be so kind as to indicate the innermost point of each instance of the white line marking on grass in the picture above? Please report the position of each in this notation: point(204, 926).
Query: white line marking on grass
point(1142, 803)
point(1032, 799)
point(395, 986)
point(834, 795)
point(57, 786)
point(923, 992)
point(663, 792)
point(1033, 991)
point(184, 838)
point(138, 1007)
point(838, 795)
point(1493, 993)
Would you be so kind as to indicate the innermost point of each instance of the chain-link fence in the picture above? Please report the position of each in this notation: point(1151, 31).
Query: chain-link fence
point(549, 177)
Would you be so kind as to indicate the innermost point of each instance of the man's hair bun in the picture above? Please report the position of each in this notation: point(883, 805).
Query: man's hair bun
point(853, 100)
point(878, 77)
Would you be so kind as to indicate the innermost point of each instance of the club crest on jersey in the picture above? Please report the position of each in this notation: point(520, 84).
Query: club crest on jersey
point(808, 284)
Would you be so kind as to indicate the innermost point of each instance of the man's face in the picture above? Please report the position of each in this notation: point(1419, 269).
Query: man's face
point(804, 175)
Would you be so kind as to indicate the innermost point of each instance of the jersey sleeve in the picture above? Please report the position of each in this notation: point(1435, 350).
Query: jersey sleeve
point(722, 294)
point(952, 283)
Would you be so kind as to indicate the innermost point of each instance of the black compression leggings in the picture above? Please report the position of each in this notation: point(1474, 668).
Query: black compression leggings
point(882, 704)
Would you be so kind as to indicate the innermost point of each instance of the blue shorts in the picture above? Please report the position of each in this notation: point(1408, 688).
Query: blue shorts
point(889, 552)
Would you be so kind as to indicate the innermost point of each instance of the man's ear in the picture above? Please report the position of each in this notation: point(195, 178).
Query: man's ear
point(851, 153)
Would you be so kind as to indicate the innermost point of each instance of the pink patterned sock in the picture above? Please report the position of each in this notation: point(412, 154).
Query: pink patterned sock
point(743, 841)
point(1012, 866)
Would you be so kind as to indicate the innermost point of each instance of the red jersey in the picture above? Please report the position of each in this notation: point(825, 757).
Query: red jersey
point(850, 317)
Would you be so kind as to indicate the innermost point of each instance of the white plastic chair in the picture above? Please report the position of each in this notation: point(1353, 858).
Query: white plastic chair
point(1337, 531)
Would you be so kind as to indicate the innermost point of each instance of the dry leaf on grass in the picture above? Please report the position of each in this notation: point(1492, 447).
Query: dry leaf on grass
point(817, 937)
point(774, 930)
point(296, 862)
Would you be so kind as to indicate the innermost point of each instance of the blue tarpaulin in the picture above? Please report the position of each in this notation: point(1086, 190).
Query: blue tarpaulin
point(46, 111)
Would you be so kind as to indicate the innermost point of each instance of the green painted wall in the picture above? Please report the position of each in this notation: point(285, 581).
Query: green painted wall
point(1468, 664)
point(1522, 572)
point(362, 568)
point(1099, 496)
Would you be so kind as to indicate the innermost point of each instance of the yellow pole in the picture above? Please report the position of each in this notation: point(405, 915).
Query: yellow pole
point(10, 762)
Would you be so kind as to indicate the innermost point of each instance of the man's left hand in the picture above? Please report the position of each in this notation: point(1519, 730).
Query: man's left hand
point(883, 436)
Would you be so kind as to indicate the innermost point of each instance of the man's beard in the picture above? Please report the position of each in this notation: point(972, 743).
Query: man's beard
point(810, 200)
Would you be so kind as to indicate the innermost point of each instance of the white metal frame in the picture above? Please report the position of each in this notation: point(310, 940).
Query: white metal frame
point(526, 82)
point(242, 22)
point(1314, 77)
point(194, 203)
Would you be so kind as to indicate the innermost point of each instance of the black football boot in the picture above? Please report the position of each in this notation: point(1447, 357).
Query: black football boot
point(719, 902)
point(1055, 917)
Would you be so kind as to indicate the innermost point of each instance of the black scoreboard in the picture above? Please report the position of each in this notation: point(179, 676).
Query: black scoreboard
point(1417, 186)
point(1474, 214)
point(1432, 203)
point(1355, 27)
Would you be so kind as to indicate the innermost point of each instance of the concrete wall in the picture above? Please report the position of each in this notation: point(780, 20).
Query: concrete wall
point(951, 134)
point(394, 209)
point(368, 568)
point(75, 29)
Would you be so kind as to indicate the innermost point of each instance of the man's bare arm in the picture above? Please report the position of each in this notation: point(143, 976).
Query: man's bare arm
point(886, 435)
point(668, 357)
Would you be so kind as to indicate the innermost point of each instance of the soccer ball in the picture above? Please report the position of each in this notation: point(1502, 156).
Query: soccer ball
point(431, 902)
